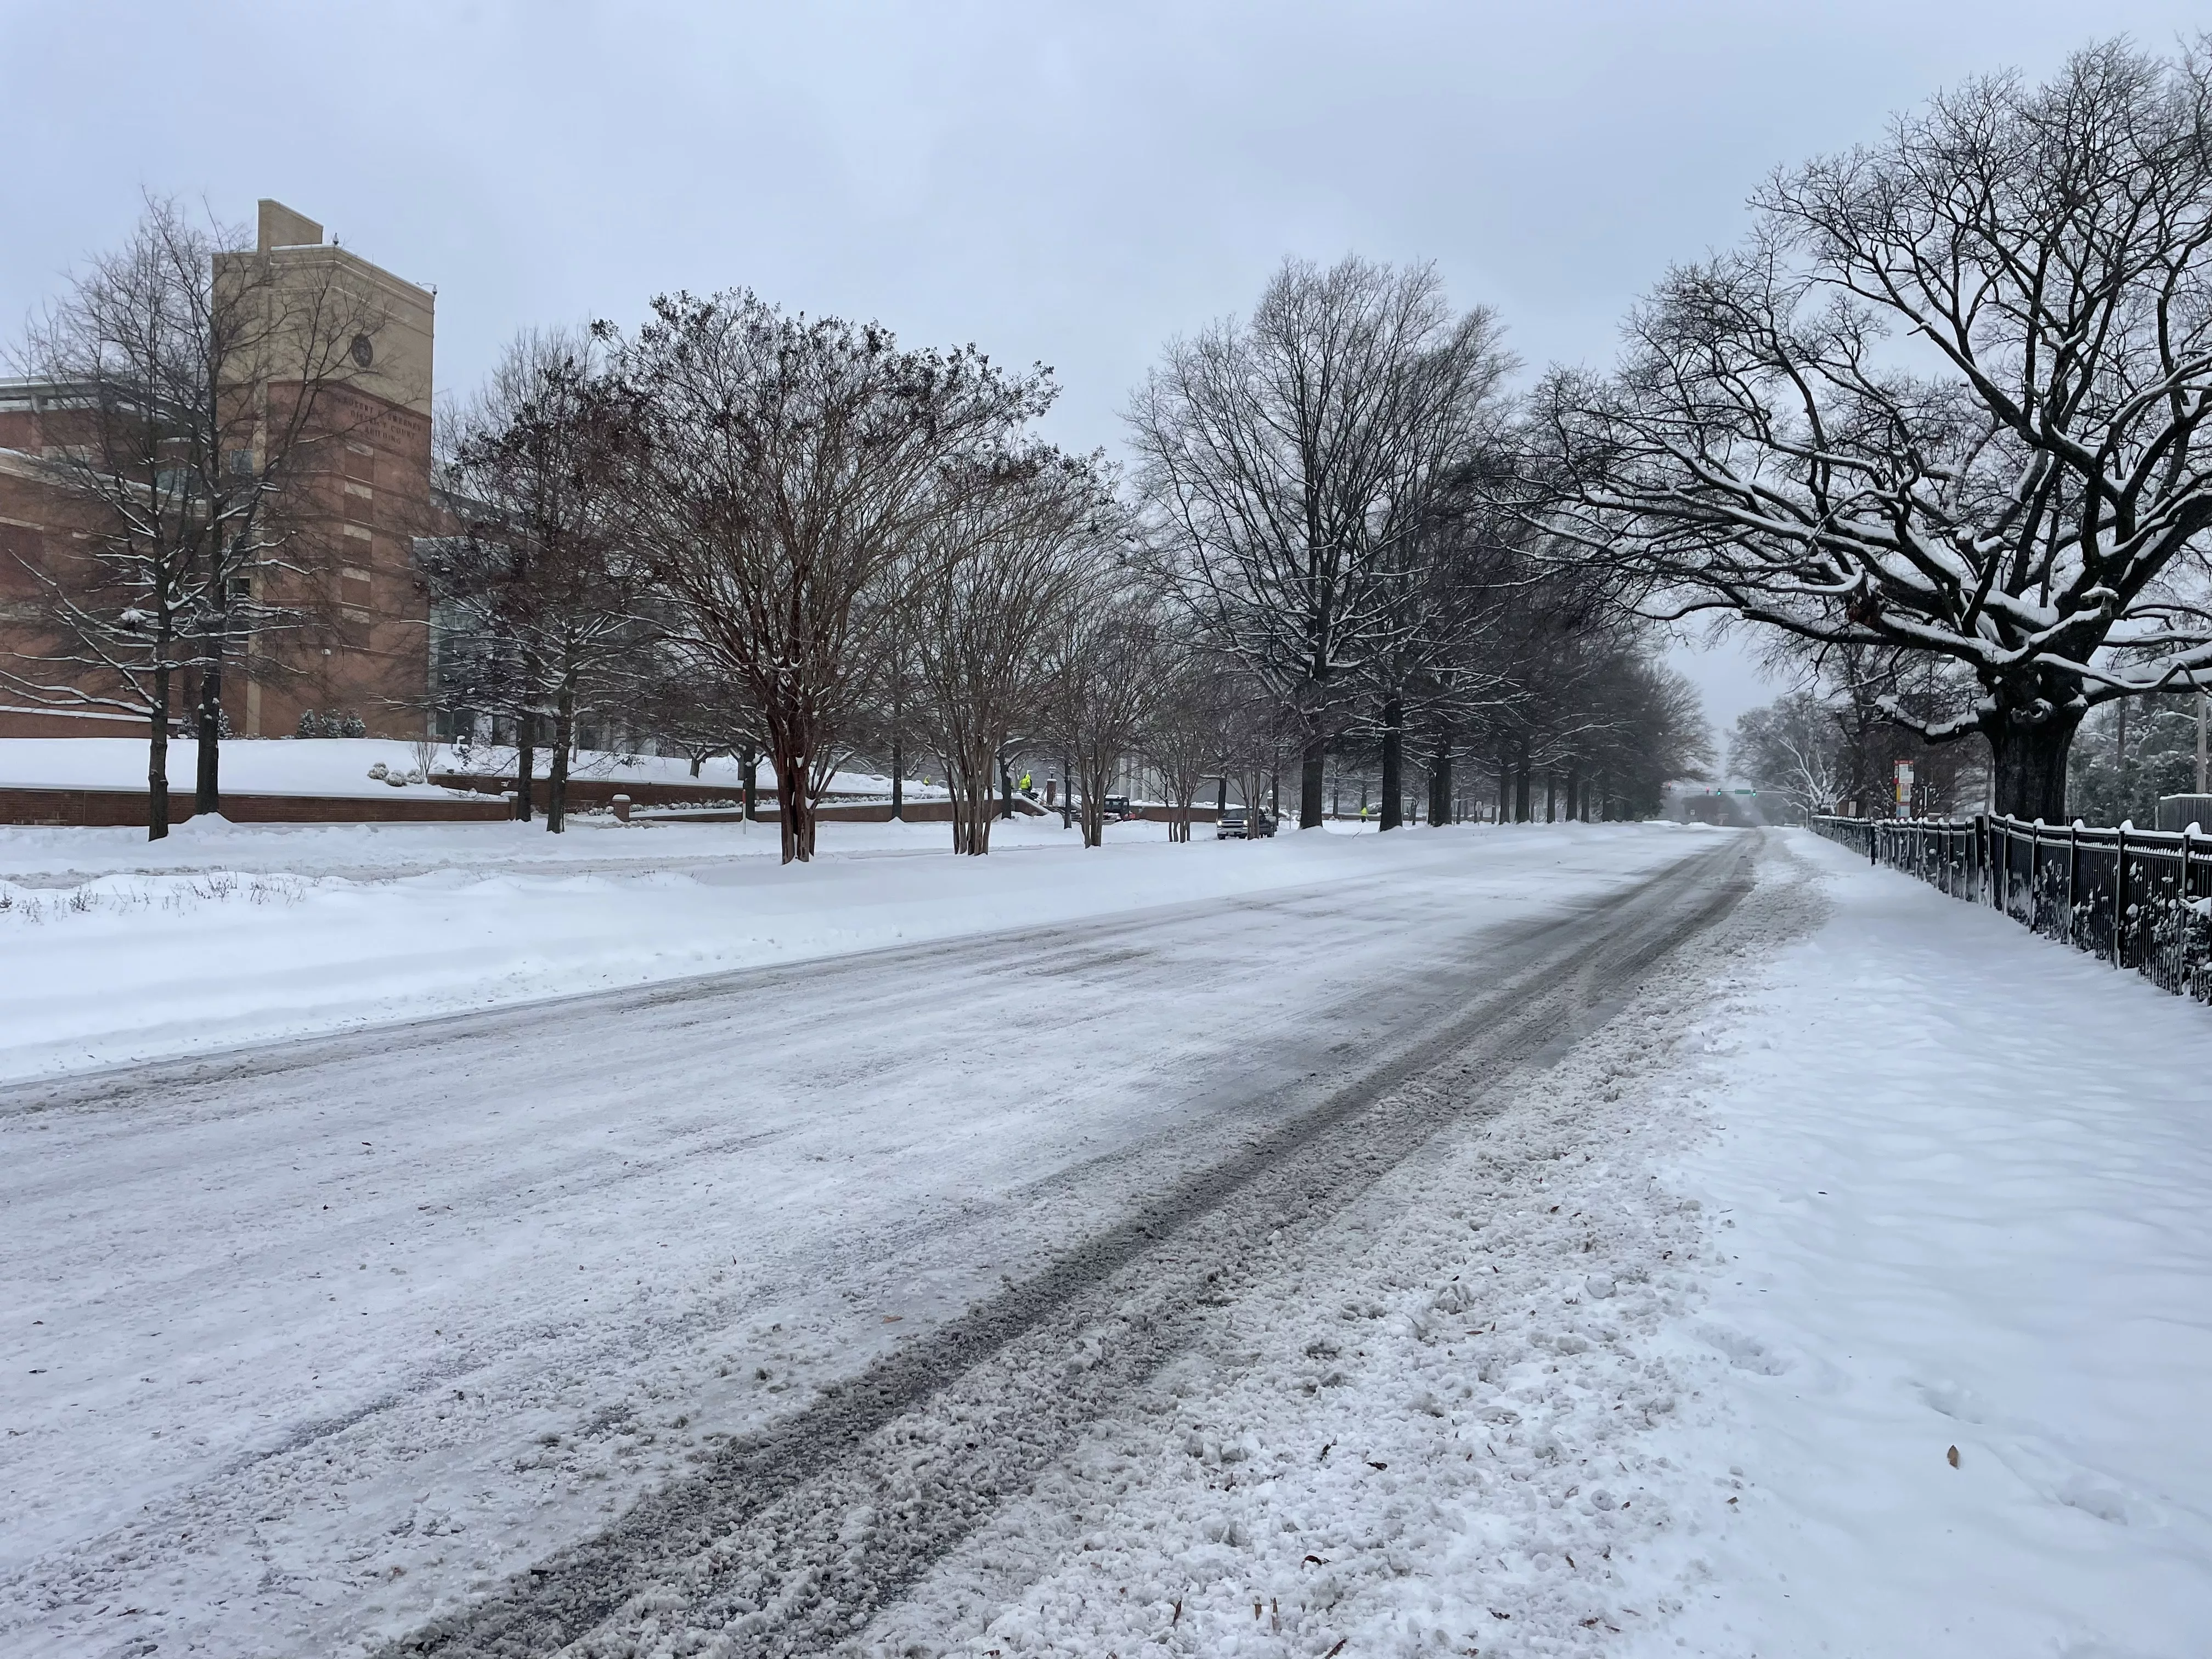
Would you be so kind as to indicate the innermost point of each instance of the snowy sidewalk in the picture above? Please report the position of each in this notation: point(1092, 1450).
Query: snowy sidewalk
point(1962, 1195)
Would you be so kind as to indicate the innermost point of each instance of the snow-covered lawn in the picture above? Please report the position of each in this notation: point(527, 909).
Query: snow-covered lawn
point(339, 766)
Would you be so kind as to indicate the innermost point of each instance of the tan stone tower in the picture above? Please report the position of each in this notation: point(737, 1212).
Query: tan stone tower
point(371, 490)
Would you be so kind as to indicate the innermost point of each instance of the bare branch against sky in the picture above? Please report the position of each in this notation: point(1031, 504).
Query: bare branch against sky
point(1072, 184)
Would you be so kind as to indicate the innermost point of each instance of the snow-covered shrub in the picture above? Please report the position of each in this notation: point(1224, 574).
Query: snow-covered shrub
point(380, 771)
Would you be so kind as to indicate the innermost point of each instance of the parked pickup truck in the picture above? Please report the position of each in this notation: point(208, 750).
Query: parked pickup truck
point(1243, 824)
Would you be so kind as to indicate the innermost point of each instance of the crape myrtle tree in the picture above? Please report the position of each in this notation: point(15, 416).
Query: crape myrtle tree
point(1949, 398)
point(1286, 461)
point(992, 577)
point(1192, 734)
point(190, 403)
point(541, 560)
point(791, 465)
point(1110, 671)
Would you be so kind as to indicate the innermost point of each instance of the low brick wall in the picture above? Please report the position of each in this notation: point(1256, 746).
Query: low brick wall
point(127, 808)
point(870, 811)
point(599, 791)
point(586, 793)
point(1152, 814)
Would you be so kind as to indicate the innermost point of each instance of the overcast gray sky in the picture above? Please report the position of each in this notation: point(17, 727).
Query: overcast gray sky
point(1066, 183)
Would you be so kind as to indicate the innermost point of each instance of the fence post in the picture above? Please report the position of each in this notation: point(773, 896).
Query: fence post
point(2184, 970)
point(2034, 875)
point(2073, 872)
point(2004, 890)
point(2120, 895)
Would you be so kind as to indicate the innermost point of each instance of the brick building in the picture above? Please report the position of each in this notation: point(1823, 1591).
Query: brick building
point(361, 644)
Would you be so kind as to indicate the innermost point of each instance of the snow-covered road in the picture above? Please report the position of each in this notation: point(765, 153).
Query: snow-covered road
point(313, 1345)
point(1375, 1246)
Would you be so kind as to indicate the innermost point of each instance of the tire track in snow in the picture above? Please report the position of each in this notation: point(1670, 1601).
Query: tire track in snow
point(790, 1540)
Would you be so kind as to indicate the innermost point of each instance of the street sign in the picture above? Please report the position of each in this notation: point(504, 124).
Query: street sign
point(1905, 789)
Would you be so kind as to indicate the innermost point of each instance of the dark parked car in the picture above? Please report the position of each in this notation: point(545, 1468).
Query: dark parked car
point(1243, 824)
point(1115, 808)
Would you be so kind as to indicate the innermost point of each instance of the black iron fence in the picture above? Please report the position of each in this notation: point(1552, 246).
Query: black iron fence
point(2137, 898)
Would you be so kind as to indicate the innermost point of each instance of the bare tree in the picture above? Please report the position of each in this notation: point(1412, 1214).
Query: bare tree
point(188, 377)
point(1106, 684)
point(541, 560)
point(1950, 398)
point(994, 573)
point(1466, 604)
point(1287, 462)
point(687, 707)
point(1191, 734)
point(1791, 747)
point(790, 464)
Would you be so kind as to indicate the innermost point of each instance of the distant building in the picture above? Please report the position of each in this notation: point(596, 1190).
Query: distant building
point(368, 653)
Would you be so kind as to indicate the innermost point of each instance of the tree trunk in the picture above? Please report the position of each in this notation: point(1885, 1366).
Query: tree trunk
point(207, 783)
point(1520, 787)
point(969, 778)
point(794, 803)
point(898, 779)
point(157, 759)
point(2031, 766)
point(1006, 788)
point(1504, 789)
point(526, 761)
point(1393, 762)
point(749, 760)
point(1097, 776)
point(1310, 766)
point(1551, 796)
point(556, 779)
